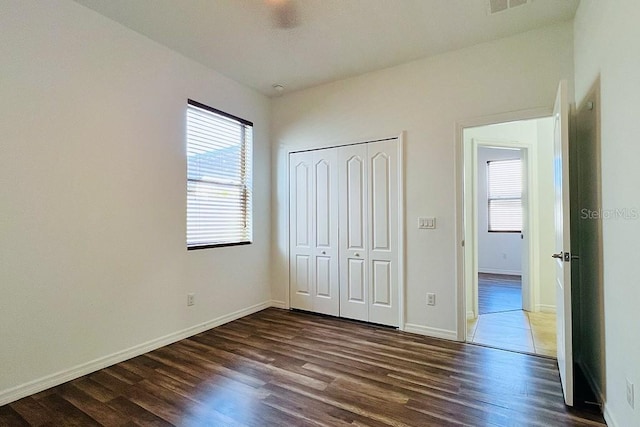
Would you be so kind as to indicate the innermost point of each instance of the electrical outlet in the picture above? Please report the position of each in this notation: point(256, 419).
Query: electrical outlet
point(431, 299)
point(191, 299)
point(630, 393)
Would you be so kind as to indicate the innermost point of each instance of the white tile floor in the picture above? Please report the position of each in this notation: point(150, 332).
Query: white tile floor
point(515, 330)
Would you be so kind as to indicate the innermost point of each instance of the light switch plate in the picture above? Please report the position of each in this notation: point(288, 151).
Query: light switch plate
point(426, 222)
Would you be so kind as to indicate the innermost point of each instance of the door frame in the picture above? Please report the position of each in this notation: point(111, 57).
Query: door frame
point(461, 227)
point(528, 155)
point(286, 151)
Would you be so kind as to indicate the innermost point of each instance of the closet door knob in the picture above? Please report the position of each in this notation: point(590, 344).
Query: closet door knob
point(324, 252)
point(357, 254)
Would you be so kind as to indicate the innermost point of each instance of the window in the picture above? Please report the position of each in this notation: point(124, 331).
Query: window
point(218, 178)
point(504, 188)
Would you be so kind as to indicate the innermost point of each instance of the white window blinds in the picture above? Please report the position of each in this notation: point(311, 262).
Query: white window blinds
point(504, 188)
point(218, 178)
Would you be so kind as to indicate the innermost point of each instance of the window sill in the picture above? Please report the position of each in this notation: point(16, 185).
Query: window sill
point(217, 245)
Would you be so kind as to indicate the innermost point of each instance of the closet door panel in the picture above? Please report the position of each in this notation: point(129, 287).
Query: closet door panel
point(326, 297)
point(303, 275)
point(301, 269)
point(354, 290)
point(323, 277)
point(302, 204)
point(381, 283)
point(356, 286)
point(380, 207)
point(383, 158)
point(355, 202)
point(323, 203)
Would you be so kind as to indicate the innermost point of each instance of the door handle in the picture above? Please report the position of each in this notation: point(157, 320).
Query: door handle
point(357, 254)
point(324, 252)
point(558, 255)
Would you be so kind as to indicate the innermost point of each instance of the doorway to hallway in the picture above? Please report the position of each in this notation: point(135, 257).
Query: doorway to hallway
point(510, 297)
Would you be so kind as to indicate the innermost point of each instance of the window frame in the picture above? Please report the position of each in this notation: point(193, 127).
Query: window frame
point(248, 170)
point(489, 198)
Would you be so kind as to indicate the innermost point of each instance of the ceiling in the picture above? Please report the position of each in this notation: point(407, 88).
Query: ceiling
point(333, 39)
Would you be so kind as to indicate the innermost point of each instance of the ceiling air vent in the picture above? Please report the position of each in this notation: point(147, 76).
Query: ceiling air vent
point(496, 6)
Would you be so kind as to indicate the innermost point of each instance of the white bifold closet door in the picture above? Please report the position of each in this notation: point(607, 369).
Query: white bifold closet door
point(368, 230)
point(353, 227)
point(383, 232)
point(314, 231)
point(360, 210)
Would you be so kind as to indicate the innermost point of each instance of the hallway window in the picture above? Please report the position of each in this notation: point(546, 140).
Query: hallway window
point(218, 178)
point(504, 184)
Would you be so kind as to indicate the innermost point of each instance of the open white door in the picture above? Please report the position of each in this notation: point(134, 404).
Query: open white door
point(563, 242)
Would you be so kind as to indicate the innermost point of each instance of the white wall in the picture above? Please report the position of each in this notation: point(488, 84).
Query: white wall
point(606, 45)
point(92, 247)
point(499, 253)
point(425, 98)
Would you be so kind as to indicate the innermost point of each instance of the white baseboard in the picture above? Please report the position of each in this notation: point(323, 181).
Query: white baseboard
point(499, 271)
point(431, 332)
point(35, 386)
point(546, 308)
point(279, 304)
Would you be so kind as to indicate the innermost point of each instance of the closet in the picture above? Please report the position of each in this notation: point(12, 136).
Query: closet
point(345, 208)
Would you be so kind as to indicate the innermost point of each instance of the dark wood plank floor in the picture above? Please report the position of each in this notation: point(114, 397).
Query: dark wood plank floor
point(281, 368)
point(499, 292)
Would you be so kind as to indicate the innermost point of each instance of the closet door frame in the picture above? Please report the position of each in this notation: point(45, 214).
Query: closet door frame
point(287, 150)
